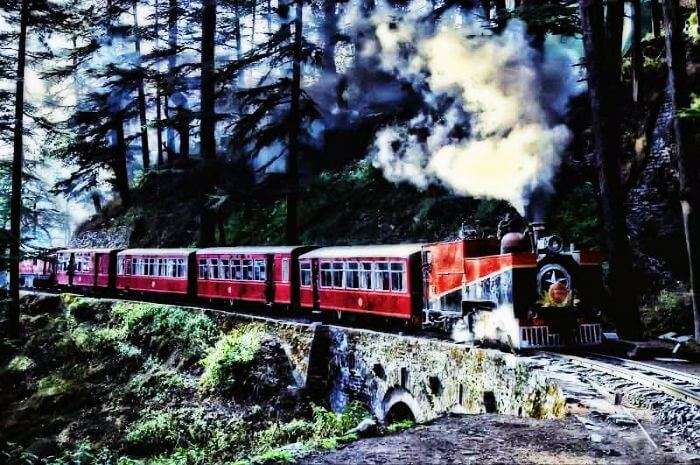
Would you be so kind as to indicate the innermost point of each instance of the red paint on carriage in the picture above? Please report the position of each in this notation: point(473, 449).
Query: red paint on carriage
point(156, 270)
point(265, 274)
point(375, 280)
point(84, 267)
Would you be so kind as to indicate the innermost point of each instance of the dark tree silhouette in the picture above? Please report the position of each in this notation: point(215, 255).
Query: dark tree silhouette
point(602, 47)
point(686, 152)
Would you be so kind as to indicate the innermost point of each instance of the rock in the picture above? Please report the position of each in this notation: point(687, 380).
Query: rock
point(671, 336)
point(595, 437)
point(622, 420)
point(367, 427)
point(42, 447)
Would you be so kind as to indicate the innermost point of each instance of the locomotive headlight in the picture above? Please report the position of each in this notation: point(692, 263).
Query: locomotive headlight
point(553, 274)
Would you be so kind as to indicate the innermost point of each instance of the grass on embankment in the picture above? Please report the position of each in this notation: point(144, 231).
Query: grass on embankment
point(137, 383)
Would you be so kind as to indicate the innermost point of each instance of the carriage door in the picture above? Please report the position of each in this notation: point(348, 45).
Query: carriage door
point(426, 268)
point(315, 283)
point(96, 259)
point(71, 268)
point(270, 278)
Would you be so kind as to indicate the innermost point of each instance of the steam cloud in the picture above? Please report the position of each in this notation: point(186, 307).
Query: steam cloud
point(490, 126)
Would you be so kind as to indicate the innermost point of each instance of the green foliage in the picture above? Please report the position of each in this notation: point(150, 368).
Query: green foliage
point(155, 430)
point(693, 111)
point(328, 424)
point(230, 355)
point(669, 310)
point(54, 385)
point(20, 363)
point(325, 430)
point(84, 453)
point(358, 205)
point(691, 27)
point(400, 426)
point(79, 306)
point(165, 327)
point(156, 382)
point(574, 215)
point(556, 18)
point(274, 456)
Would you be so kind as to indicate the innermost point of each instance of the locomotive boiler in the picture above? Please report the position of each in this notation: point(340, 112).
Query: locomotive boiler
point(524, 291)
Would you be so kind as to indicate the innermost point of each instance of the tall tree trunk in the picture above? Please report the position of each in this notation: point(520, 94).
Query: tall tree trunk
point(614, 18)
point(687, 153)
point(294, 122)
point(183, 122)
point(239, 44)
point(268, 14)
point(17, 166)
point(173, 10)
point(655, 10)
point(121, 171)
point(159, 95)
point(603, 87)
point(208, 99)
point(637, 58)
point(329, 30)
point(145, 151)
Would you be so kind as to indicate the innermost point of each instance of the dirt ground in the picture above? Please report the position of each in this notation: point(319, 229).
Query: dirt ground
point(500, 439)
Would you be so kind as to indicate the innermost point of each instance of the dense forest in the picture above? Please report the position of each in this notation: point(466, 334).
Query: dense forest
point(183, 122)
point(173, 123)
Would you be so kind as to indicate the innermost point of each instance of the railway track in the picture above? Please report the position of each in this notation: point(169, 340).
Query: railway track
point(677, 384)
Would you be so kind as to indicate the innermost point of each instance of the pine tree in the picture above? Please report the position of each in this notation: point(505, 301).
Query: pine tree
point(602, 44)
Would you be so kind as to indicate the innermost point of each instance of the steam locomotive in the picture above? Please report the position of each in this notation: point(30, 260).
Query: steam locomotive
point(524, 290)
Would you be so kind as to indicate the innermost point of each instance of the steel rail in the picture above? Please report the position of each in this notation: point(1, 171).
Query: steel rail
point(662, 379)
point(690, 380)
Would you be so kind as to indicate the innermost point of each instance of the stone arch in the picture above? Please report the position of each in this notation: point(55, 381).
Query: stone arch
point(399, 404)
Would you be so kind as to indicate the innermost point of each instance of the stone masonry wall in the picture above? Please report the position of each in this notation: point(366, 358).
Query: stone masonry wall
point(383, 370)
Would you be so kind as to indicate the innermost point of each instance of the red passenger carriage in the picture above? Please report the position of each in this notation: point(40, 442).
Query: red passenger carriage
point(380, 280)
point(169, 271)
point(86, 267)
point(264, 274)
point(35, 272)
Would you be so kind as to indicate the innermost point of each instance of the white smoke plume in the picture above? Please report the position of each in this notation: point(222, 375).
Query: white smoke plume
point(493, 106)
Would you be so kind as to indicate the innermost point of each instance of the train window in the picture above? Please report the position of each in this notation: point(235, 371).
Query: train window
point(338, 274)
point(381, 276)
point(259, 273)
point(181, 268)
point(305, 273)
point(366, 275)
point(162, 267)
point(248, 270)
point(352, 275)
point(326, 275)
point(397, 281)
point(237, 270)
point(213, 266)
point(285, 270)
point(203, 272)
point(224, 269)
